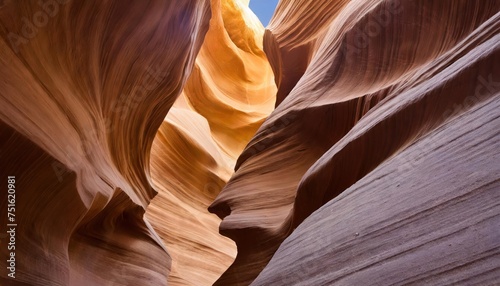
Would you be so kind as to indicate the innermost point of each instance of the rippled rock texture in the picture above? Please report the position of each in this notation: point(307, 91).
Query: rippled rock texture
point(394, 105)
point(86, 86)
point(226, 98)
point(349, 142)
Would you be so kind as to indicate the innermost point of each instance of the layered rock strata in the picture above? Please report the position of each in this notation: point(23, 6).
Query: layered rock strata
point(84, 88)
point(226, 98)
point(377, 78)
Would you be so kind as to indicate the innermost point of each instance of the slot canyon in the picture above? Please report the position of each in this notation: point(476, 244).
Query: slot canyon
point(162, 142)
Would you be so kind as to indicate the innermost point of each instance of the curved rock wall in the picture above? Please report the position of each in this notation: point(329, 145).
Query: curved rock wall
point(88, 100)
point(350, 142)
point(84, 88)
point(226, 98)
point(428, 215)
point(377, 78)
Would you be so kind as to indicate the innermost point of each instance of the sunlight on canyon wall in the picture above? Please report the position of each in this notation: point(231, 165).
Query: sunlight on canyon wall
point(102, 88)
point(226, 98)
point(80, 110)
point(182, 143)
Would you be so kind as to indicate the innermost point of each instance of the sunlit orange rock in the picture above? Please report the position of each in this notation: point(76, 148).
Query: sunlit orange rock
point(181, 143)
point(228, 95)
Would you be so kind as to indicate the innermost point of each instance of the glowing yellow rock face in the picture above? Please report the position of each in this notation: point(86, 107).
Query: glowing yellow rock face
point(232, 83)
point(230, 92)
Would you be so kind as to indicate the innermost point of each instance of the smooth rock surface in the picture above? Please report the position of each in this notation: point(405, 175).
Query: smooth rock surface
point(181, 143)
point(430, 215)
point(228, 95)
point(83, 92)
point(375, 83)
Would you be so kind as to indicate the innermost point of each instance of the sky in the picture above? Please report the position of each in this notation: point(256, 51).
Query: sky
point(264, 9)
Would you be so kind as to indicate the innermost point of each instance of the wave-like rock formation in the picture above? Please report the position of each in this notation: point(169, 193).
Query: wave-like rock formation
point(351, 142)
point(229, 93)
point(84, 87)
point(361, 86)
point(434, 223)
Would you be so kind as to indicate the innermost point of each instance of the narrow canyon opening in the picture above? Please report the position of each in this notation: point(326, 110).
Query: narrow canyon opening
point(230, 92)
